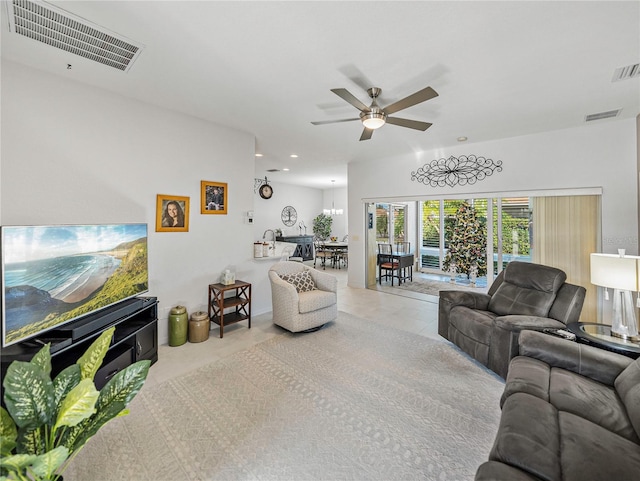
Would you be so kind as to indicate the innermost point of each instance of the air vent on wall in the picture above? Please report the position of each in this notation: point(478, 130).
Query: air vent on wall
point(602, 115)
point(624, 73)
point(58, 28)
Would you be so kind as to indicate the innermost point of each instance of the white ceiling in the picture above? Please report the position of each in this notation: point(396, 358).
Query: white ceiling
point(501, 69)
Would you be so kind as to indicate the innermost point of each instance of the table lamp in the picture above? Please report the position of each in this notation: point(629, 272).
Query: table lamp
point(620, 273)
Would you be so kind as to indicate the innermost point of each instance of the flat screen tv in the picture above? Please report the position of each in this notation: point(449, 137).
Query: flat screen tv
point(52, 275)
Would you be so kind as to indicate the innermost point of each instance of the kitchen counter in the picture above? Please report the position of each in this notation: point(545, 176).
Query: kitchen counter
point(277, 254)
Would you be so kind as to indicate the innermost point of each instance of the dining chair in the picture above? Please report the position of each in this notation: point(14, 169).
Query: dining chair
point(386, 263)
point(342, 254)
point(322, 253)
point(405, 248)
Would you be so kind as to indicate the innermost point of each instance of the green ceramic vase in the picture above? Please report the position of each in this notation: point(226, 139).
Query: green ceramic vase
point(178, 326)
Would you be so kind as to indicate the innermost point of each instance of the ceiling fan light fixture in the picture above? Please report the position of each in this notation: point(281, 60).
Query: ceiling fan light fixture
point(373, 120)
point(373, 117)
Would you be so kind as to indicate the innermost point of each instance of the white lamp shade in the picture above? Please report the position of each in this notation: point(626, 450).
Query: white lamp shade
point(373, 120)
point(615, 272)
point(332, 211)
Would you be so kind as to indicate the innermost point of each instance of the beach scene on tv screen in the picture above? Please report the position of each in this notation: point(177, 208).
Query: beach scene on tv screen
point(54, 274)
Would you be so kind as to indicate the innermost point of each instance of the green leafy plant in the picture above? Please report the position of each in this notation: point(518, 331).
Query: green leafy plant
point(46, 422)
point(322, 226)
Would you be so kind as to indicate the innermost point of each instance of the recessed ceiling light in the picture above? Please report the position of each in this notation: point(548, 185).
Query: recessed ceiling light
point(294, 156)
point(285, 170)
point(258, 155)
point(462, 139)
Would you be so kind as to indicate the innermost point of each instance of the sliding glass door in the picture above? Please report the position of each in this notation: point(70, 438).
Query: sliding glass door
point(391, 223)
point(559, 231)
point(383, 215)
point(512, 231)
point(437, 224)
point(506, 225)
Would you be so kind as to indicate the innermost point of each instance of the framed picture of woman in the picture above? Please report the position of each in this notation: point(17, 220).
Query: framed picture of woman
point(213, 197)
point(172, 213)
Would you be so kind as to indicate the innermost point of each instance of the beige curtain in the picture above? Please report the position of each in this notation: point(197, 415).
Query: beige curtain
point(565, 231)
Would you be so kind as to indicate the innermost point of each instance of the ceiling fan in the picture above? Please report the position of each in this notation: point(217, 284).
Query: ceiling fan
point(373, 117)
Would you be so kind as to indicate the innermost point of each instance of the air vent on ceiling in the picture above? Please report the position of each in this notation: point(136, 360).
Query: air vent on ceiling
point(273, 170)
point(624, 73)
point(602, 115)
point(58, 28)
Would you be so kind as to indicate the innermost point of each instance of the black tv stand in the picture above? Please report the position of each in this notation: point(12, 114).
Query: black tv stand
point(135, 339)
point(56, 343)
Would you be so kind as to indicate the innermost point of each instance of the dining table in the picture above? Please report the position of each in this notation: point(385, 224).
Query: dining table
point(404, 261)
point(339, 249)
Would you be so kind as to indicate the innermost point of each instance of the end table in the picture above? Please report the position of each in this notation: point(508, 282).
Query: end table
point(239, 301)
point(599, 335)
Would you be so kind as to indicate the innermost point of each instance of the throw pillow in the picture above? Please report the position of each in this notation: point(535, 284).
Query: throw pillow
point(302, 281)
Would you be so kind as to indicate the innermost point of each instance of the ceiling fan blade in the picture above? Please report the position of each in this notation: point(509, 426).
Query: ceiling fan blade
point(354, 74)
point(412, 124)
point(344, 94)
point(366, 134)
point(413, 99)
point(323, 122)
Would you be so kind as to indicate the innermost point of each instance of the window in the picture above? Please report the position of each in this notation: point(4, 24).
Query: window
point(512, 229)
point(391, 223)
point(508, 224)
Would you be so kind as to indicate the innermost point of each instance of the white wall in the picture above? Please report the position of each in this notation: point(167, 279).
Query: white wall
point(339, 198)
point(598, 155)
point(307, 201)
point(267, 212)
point(72, 154)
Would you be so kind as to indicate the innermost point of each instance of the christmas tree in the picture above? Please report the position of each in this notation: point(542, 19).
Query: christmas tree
point(467, 243)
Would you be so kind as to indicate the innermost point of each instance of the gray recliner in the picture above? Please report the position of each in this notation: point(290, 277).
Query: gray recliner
point(523, 296)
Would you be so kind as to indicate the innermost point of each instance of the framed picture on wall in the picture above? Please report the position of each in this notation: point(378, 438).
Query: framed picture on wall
point(213, 197)
point(172, 213)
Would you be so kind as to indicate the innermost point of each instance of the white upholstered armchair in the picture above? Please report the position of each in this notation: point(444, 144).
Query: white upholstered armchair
point(303, 298)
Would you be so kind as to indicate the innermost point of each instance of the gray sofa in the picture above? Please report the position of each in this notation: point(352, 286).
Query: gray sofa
point(523, 296)
point(570, 412)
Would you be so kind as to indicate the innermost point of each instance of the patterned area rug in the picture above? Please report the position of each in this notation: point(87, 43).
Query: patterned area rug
point(354, 401)
point(426, 286)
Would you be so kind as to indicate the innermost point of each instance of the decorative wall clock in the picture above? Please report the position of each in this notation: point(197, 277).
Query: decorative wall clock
point(266, 191)
point(289, 216)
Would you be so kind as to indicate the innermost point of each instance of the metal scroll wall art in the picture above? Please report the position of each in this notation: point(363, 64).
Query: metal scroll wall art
point(463, 170)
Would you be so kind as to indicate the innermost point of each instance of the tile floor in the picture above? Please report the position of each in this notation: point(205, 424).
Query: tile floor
point(413, 312)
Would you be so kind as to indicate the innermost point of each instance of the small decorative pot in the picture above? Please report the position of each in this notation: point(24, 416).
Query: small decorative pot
point(178, 325)
point(199, 327)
